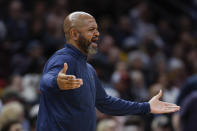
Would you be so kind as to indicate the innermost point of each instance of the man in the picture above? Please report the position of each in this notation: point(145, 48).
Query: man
point(188, 113)
point(70, 89)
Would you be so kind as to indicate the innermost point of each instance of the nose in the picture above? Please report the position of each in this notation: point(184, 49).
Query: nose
point(96, 33)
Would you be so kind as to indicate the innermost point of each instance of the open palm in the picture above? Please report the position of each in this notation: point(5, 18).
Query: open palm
point(160, 107)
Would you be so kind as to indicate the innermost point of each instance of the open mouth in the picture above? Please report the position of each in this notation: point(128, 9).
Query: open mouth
point(94, 40)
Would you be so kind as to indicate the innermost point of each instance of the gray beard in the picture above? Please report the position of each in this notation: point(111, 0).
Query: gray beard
point(92, 50)
point(86, 46)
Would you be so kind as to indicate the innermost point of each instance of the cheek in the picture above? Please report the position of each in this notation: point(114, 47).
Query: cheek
point(89, 36)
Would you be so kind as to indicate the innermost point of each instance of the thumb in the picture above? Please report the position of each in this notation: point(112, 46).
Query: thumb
point(65, 68)
point(159, 95)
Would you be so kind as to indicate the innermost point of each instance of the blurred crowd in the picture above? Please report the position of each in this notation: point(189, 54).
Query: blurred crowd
point(140, 52)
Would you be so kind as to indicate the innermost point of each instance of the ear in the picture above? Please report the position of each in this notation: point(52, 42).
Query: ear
point(74, 34)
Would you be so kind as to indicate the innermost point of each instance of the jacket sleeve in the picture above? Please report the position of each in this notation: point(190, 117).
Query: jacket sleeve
point(52, 68)
point(115, 106)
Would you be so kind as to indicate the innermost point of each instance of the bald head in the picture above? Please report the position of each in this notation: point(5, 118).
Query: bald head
point(75, 20)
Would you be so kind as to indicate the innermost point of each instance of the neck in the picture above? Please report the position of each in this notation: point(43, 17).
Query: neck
point(75, 44)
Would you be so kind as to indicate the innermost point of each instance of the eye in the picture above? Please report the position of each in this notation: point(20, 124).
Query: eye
point(91, 29)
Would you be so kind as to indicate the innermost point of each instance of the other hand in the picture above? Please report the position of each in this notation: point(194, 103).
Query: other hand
point(160, 107)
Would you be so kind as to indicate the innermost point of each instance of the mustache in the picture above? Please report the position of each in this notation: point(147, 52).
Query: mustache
point(95, 39)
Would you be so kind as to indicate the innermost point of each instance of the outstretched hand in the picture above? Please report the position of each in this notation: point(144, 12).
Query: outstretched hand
point(160, 107)
point(67, 82)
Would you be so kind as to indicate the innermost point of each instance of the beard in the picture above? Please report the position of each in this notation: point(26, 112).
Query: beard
point(88, 47)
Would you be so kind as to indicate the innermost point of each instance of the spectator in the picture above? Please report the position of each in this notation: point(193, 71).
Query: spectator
point(107, 125)
point(188, 113)
point(11, 112)
point(161, 123)
point(12, 126)
point(134, 123)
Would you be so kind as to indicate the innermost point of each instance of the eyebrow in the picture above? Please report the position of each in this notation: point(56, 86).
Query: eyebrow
point(93, 26)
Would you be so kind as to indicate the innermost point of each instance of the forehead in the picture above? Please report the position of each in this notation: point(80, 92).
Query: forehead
point(88, 22)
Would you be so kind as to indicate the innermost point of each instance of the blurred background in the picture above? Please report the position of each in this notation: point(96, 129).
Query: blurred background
point(145, 46)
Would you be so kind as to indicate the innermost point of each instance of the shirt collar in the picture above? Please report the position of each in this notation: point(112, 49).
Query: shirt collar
point(76, 52)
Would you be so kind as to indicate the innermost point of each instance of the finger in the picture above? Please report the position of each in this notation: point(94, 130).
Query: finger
point(71, 87)
point(76, 80)
point(65, 68)
point(81, 81)
point(71, 80)
point(169, 104)
point(167, 111)
point(66, 77)
point(71, 83)
point(172, 109)
point(66, 82)
point(159, 95)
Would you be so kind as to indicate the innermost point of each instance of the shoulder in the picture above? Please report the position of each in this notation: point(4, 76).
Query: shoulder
point(190, 100)
point(191, 81)
point(90, 67)
point(60, 57)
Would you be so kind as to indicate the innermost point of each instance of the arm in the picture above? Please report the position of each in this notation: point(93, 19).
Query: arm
point(49, 78)
point(55, 77)
point(115, 106)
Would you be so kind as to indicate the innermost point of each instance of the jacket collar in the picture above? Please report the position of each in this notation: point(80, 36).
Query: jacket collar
point(76, 52)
